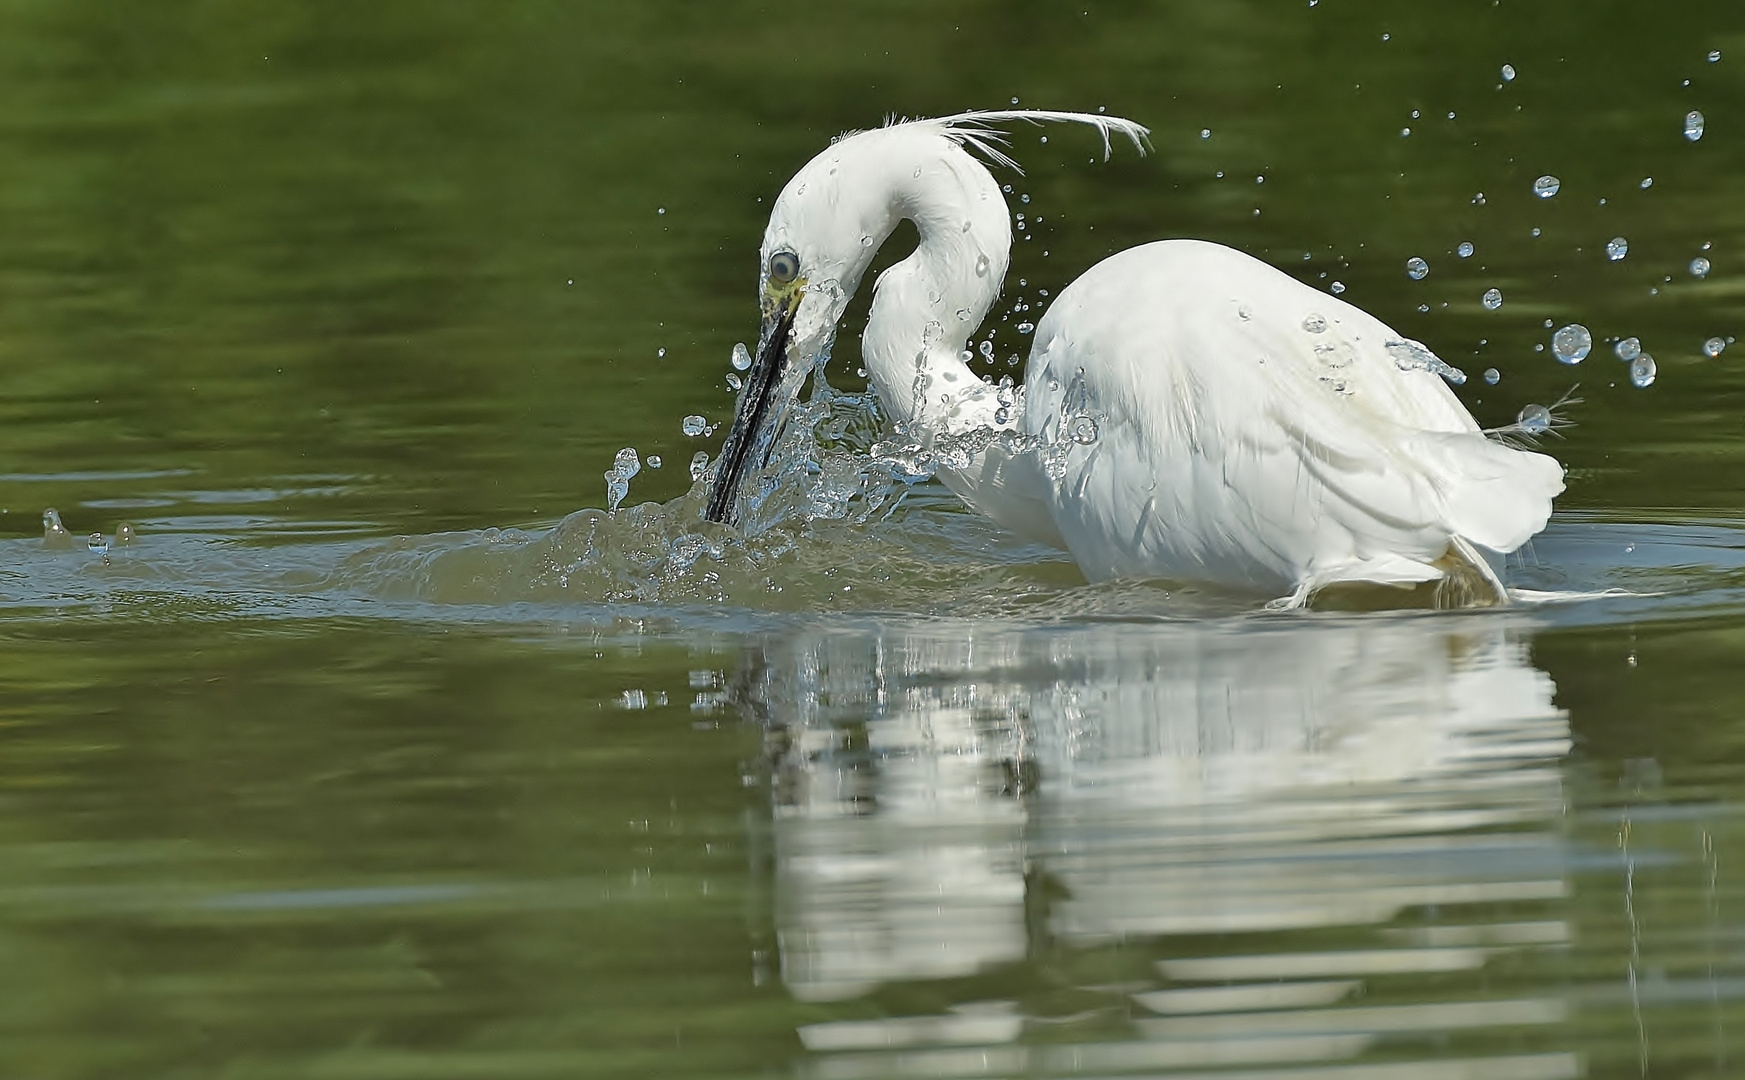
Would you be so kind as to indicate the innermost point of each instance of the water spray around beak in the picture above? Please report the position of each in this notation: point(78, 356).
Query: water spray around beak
point(754, 423)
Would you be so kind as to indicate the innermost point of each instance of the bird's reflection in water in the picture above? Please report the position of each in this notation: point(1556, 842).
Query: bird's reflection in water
point(1113, 849)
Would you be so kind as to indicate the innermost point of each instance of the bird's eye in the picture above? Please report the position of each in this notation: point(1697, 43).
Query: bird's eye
point(784, 266)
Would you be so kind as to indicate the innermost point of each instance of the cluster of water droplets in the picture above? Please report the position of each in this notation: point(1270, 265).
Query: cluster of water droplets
point(1643, 369)
point(57, 537)
point(1076, 424)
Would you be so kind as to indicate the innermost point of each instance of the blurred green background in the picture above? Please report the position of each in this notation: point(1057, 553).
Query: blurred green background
point(419, 245)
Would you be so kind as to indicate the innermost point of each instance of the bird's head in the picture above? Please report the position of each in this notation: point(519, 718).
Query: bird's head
point(824, 230)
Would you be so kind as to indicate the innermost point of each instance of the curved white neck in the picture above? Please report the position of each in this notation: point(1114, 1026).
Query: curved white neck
point(925, 307)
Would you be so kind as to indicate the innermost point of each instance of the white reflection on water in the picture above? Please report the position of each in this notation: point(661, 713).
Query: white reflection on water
point(1289, 815)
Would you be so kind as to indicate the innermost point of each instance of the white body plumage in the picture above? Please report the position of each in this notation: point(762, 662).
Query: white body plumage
point(1201, 415)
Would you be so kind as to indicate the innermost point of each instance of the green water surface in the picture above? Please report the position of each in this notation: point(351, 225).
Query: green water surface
point(320, 778)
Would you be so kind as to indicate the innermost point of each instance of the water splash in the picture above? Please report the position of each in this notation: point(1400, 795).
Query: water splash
point(55, 536)
point(624, 466)
point(1412, 355)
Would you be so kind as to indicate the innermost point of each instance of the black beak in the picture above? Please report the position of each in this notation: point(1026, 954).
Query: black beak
point(753, 433)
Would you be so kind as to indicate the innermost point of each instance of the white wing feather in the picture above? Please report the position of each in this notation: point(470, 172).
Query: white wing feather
point(1239, 445)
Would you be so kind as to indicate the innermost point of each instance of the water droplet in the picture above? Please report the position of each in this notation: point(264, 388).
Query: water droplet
point(1699, 267)
point(981, 265)
point(1693, 129)
point(1546, 186)
point(1616, 248)
point(125, 533)
point(741, 357)
point(1508, 73)
point(1405, 132)
point(52, 529)
point(1083, 430)
point(1478, 200)
point(625, 463)
point(694, 425)
point(1492, 299)
point(661, 210)
point(1336, 288)
point(1244, 312)
point(654, 461)
point(1628, 349)
point(1714, 347)
point(1025, 198)
point(1643, 371)
point(1315, 322)
point(1715, 56)
point(734, 382)
point(97, 545)
point(659, 353)
point(699, 465)
point(1205, 133)
point(1026, 327)
point(1647, 182)
point(616, 489)
point(1534, 419)
point(1464, 250)
point(1014, 101)
point(987, 349)
point(1535, 231)
point(1417, 268)
point(1492, 376)
point(1572, 343)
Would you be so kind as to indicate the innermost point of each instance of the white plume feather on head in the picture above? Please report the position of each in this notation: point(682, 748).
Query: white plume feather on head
point(978, 130)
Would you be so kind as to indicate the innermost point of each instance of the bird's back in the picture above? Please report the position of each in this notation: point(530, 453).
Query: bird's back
point(1253, 431)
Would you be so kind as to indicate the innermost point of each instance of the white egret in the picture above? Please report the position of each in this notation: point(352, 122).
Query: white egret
point(1188, 411)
